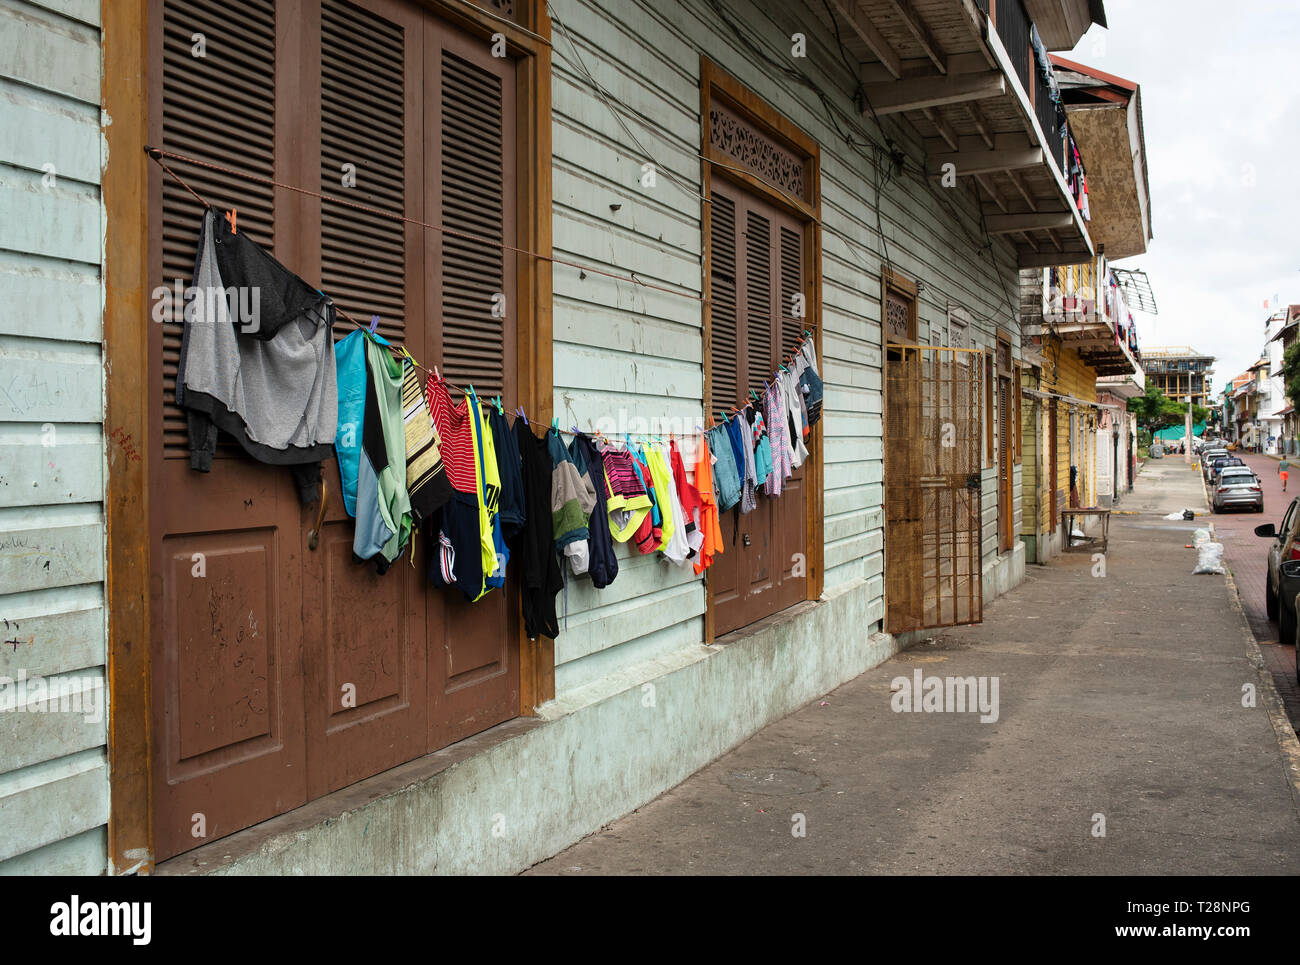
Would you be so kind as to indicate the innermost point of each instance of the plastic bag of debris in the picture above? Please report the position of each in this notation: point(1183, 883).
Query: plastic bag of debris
point(1200, 536)
point(1209, 559)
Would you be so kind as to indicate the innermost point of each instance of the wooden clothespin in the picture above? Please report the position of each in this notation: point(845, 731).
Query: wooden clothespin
point(233, 216)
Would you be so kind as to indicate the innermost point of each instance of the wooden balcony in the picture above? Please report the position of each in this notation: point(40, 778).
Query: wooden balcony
point(964, 74)
point(1079, 306)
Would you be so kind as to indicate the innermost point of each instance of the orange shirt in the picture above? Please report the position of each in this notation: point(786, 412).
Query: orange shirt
point(708, 510)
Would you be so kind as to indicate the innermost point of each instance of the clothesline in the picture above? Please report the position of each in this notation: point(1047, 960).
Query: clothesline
point(157, 155)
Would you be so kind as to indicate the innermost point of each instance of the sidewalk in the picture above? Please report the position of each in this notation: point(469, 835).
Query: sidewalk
point(1118, 696)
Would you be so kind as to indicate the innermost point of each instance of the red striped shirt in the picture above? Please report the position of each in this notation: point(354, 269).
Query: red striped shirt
point(456, 443)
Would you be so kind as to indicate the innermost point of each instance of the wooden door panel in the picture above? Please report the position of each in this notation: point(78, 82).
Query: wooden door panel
point(228, 692)
point(473, 654)
point(756, 267)
point(367, 643)
point(229, 742)
point(473, 665)
point(368, 709)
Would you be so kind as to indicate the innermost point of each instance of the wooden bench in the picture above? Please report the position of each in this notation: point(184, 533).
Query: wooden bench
point(1067, 520)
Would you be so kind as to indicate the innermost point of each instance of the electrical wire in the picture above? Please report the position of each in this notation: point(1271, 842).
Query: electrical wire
point(158, 153)
point(400, 350)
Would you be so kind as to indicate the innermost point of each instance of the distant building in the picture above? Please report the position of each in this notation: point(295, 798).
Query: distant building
point(1179, 371)
point(1283, 330)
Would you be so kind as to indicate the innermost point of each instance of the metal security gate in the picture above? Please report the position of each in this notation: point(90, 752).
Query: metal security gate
point(932, 487)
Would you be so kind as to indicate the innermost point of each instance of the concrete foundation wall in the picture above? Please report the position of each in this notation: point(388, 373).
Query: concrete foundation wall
point(604, 751)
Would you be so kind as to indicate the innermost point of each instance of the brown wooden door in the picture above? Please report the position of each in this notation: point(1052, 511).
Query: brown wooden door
point(227, 634)
point(1005, 449)
point(284, 673)
point(757, 266)
point(366, 649)
point(469, 186)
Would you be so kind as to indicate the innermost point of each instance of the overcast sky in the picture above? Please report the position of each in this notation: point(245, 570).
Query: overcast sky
point(1222, 117)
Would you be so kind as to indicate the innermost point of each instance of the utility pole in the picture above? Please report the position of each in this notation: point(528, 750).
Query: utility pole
point(1187, 434)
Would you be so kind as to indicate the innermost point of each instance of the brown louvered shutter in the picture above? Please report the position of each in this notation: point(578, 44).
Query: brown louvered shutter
point(219, 107)
point(723, 314)
point(792, 285)
point(758, 299)
point(477, 201)
point(363, 254)
point(1015, 416)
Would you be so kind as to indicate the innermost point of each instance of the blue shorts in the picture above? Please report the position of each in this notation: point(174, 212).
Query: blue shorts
point(455, 558)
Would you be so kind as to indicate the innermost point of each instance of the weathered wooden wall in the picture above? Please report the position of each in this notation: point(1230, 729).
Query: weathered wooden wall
point(624, 350)
point(53, 770)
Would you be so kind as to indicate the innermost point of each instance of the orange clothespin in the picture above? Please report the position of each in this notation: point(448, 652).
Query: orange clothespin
point(232, 216)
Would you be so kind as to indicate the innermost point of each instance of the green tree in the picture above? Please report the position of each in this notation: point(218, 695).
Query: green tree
point(1156, 411)
point(1291, 372)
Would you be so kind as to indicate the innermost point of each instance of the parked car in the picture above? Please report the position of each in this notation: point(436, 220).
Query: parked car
point(1279, 603)
point(1208, 456)
point(1222, 463)
point(1289, 582)
point(1237, 487)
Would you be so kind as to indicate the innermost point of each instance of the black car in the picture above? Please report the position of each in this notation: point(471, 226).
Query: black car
point(1217, 466)
point(1282, 579)
point(1289, 582)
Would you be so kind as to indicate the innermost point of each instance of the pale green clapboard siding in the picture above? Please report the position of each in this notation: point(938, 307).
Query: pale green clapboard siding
point(53, 765)
point(620, 348)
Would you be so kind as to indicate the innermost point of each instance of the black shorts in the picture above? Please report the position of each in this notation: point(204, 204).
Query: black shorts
point(455, 558)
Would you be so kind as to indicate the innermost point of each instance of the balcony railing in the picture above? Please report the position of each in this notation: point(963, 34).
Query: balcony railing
point(1045, 109)
point(1013, 31)
point(1082, 296)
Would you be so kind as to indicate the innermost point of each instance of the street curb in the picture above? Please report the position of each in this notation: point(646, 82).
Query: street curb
point(1287, 741)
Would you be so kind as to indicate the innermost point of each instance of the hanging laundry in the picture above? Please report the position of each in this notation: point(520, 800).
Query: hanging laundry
point(762, 445)
point(495, 553)
point(456, 555)
point(384, 443)
point(626, 498)
point(649, 534)
point(351, 379)
point(725, 472)
point(810, 385)
point(374, 520)
point(794, 413)
point(277, 396)
point(282, 297)
point(602, 564)
point(777, 429)
point(426, 479)
point(672, 540)
point(742, 440)
point(513, 511)
point(572, 499)
point(710, 528)
point(540, 578)
point(688, 497)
